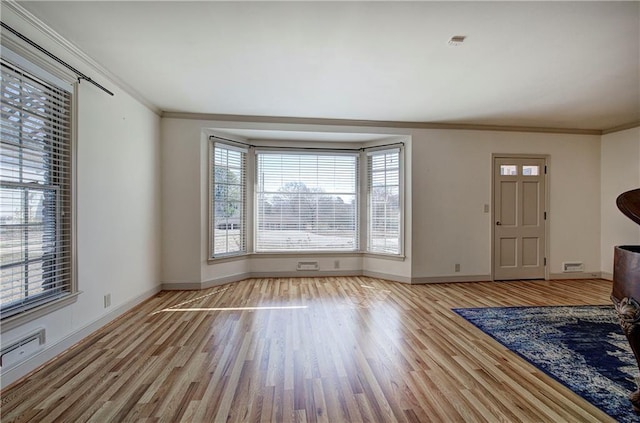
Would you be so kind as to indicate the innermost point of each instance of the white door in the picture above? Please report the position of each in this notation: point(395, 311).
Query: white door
point(519, 218)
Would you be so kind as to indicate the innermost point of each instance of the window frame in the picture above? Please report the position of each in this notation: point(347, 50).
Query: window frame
point(41, 68)
point(362, 202)
point(310, 152)
point(401, 205)
point(230, 146)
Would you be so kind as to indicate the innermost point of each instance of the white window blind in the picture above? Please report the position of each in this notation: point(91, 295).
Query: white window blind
point(229, 200)
point(306, 201)
point(384, 202)
point(35, 191)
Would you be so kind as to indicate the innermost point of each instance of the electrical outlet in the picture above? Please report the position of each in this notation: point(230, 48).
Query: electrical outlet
point(486, 208)
point(336, 264)
point(457, 267)
point(107, 300)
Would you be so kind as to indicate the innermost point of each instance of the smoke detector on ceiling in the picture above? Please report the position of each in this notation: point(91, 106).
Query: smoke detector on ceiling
point(457, 40)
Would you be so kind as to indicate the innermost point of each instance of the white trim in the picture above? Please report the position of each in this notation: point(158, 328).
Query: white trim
point(606, 275)
point(577, 275)
point(19, 57)
point(374, 123)
point(386, 276)
point(450, 279)
point(32, 364)
point(181, 286)
point(306, 274)
point(178, 286)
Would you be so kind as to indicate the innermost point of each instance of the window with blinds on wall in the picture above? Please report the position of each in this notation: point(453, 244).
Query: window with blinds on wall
point(306, 201)
point(35, 184)
point(229, 200)
point(384, 209)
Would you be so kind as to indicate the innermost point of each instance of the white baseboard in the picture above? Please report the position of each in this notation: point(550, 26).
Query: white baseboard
point(606, 275)
point(386, 276)
point(227, 279)
point(315, 273)
point(306, 273)
point(576, 275)
point(177, 286)
point(22, 369)
point(180, 286)
point(448, 279)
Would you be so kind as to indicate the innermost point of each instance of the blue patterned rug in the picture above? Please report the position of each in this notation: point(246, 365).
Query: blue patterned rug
point(583, 347)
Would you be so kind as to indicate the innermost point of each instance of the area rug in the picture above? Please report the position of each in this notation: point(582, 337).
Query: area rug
point(583, 347)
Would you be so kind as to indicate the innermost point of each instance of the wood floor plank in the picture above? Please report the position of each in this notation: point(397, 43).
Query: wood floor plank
point(327, 349)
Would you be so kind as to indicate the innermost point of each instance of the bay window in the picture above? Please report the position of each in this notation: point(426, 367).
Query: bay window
point(304, 200)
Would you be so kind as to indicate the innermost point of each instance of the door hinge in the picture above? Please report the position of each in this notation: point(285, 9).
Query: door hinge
point(545, 261)
point(545, 169)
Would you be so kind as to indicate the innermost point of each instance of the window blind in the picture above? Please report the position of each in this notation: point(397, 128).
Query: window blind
point(383, 171)
point(229, 200)
point(35, 191)
point(306, 201)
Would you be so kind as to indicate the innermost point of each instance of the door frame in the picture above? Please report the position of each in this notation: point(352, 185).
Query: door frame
point(547, 199)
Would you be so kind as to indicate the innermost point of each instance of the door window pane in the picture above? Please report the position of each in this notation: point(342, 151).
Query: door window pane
point(508, 170)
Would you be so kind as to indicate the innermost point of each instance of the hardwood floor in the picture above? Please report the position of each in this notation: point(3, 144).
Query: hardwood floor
point(309, 349)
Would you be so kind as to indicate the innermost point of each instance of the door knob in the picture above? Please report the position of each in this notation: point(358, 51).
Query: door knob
point(498, 223)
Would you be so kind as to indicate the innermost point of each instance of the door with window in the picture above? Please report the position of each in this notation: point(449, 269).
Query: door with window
point(519, 218)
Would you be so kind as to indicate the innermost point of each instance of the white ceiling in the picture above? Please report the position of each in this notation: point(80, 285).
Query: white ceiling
point(538, 64)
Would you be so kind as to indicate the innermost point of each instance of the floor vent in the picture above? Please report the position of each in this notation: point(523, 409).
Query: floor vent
point(572, 266)
point(308, 265)
point(22, 349)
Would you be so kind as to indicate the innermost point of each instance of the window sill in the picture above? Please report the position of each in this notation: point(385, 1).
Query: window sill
point(287, 254)
point(224, 259)
point(20, 319)
point(383, 256)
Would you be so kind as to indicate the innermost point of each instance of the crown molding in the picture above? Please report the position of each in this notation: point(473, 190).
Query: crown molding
point(77, 53)
point(621, 128)
point(32, 20)
point(375, 123)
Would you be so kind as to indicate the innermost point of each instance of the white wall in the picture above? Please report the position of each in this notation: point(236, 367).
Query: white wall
point(181, 201)
point(620, 158)
point(118, 211)
point(452, 177)
point(448, 182)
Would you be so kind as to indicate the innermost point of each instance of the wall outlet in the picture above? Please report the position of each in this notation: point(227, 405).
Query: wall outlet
point(336, 264)
point(107, 300)
point(486, 208)
point(457, 267)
